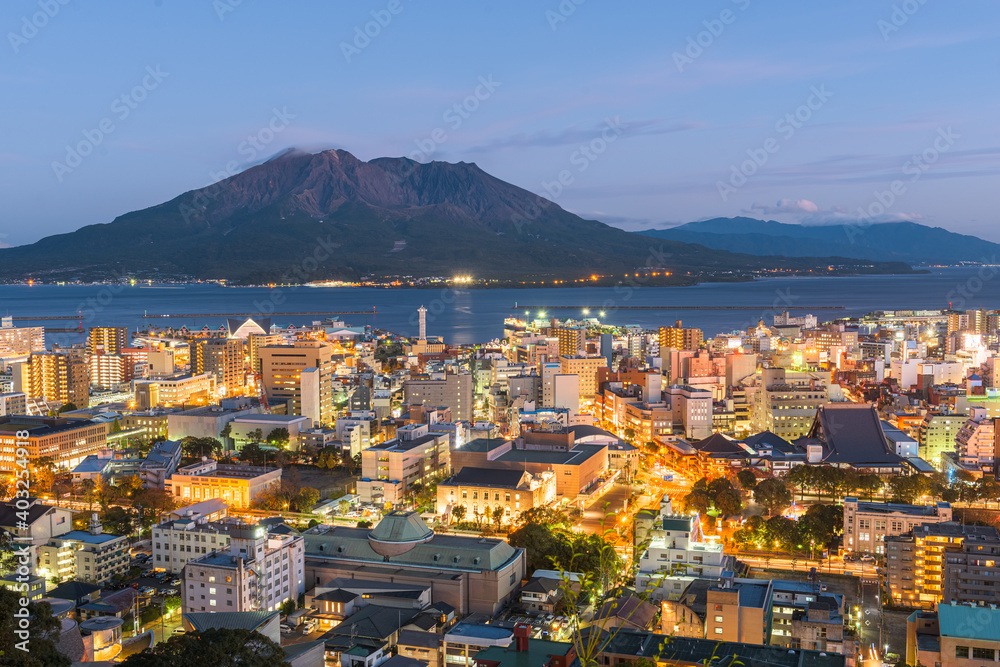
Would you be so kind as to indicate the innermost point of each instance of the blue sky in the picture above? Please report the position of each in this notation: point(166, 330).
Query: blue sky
point(659, 112)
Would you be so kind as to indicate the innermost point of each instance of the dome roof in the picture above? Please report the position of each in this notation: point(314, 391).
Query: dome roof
point(398, 532)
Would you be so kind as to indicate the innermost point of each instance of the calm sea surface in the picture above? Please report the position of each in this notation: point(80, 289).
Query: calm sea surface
point(468, 316)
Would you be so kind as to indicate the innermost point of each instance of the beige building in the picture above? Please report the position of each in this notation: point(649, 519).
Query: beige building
point(866, 524)
point(223, 357)
point(66, 441)
point(236, 485)
point(443, 389)
point(953, 636)
point(91, 556)
point(175, 390)
point(301, 375)
point(107, 340)
point(472, 574)
point(785, 402)
point(58, 378)
point(19, 342)
point(679, 338)
point(481, 490)
point(389, 469)
point(585, 367)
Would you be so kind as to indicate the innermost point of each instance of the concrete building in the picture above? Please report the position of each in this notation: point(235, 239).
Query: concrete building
point(971, 571)
point(36, 524)
point(236, 485)
point(66, 441)
point(915, 561)
point(679, 338)
point(178, 389)
point(17, 343)
point(223, 357)
point(572, 340)
point(181, 540)
point(953, 636)
point(107, 340)
point(301, 375)
point(866, 524)
point(584, 366)
point(471, 574)
point(481, 490)
point(91, 556)
point(245, 424)
point(59, 378)
point(451, 390)
point(690, 410)
point(463, 641)
point(259, 571)
point(13, 403)
point(389, 469)
point(975, 442)
point(785, 402)
point(937, 436)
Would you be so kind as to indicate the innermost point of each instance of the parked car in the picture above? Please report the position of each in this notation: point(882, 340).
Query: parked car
point(868, 558)
point(284, 628)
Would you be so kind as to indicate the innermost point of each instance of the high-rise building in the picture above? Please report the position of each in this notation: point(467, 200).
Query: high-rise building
point(255, 341)
point(223, 357)
point(107, 340)
point(586, 367)
point(300, 374)
point(679, 338)
point(572, 340)
point(785, 402)
point(58, 378)
point(19, 342)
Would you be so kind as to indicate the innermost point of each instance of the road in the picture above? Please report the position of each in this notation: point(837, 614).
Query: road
point(594, 517)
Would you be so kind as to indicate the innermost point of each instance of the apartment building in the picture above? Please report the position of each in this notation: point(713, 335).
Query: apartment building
point(13, 403)
point(223, 357)
point(35, 524)
point(300, 375)
point(175, 390)
point(236, 485)
point(66, 441)
point(679, 338)
point(975, 442)
point(915, 561)
point(181, 540)
point(389, 469)
point(91, 556)
point(481, 490)
point(691, 410)
point(739, 612)
point(937, 435)
point(972, 572)
point(572, 340)
point(258, 572)
point(107, 340)
point(20, 342)
point(867, 524)
point(58, 378)
point(450, 390)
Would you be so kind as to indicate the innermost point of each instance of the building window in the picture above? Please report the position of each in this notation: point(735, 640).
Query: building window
point(718, 619)
point(961, 651)
point(718, 631)
point(983, 653)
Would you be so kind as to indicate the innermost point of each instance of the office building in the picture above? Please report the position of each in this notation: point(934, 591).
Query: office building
point(179, 541)
point(175, 390)
point(953, 636)
point(260, 571)
point(236, 485)
point(866, 524)
point(586, 367)
point(66, 441)
point(482, 490)
point(450, 390)
point(14, 403)
point(785, 402)
point(690, 410)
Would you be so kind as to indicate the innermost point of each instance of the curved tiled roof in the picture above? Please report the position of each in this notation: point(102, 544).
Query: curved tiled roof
point(401, 527)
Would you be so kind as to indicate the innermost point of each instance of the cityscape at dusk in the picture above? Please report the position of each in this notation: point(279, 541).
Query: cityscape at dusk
point(487, 334)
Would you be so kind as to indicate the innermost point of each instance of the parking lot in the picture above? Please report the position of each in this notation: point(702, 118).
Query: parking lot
point(543, 626)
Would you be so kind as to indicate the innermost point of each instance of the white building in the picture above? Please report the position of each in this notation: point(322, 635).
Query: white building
point(92, 556)
point(975, 440)
point(692, 409)
point(179, 541)
point(259, 572)
point(678, 553)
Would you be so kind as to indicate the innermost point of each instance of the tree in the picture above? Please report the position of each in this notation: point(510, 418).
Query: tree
point(305, 499)
point(773, 495)
point(747, 480)
point(39, 648)
point(253, 453)
point(498, 514)
point(344, 507)
point(278, 437)
point(630, 434)
point(287, 607)
point(458, 513)
point(226, 431)
point(116, 426)
point(67, 407)
point(215, 647)
point(256, 435)
point(273, 499)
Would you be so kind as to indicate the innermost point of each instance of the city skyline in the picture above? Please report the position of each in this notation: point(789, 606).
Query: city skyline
point(678, 97)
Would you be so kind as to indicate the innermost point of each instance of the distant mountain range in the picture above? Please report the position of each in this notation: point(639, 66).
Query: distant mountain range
point(900, 241)
point(302, 217)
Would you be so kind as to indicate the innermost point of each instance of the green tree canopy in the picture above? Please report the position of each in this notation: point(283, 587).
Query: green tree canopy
point(212, 648)
point(773, 495)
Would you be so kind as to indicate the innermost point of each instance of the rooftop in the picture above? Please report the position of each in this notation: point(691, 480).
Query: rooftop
point(491, 477)
point(968, 622)
point(87, 538)
point(478, 631)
